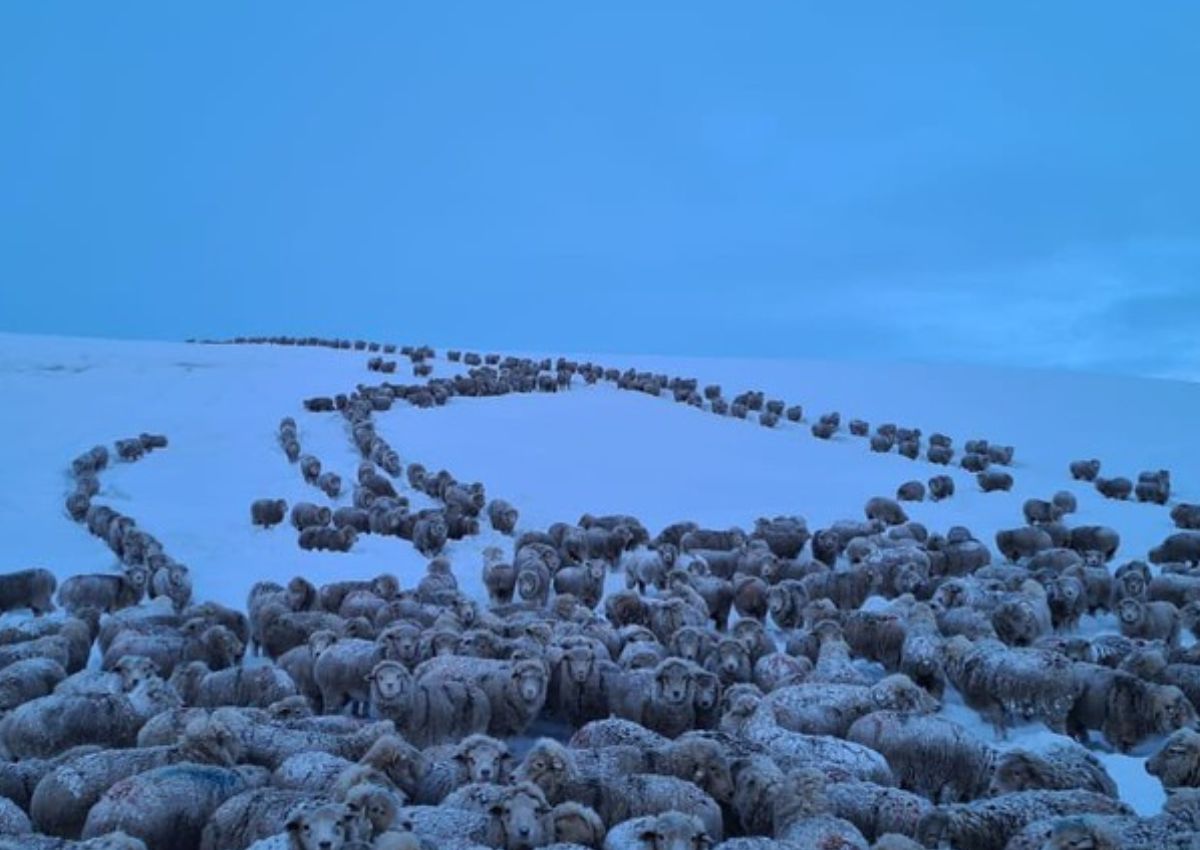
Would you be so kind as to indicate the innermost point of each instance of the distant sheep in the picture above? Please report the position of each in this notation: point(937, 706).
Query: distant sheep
point(33, 589)
point(268, 512)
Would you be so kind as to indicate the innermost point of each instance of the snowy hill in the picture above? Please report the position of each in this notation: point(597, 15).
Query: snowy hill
point(554, 456)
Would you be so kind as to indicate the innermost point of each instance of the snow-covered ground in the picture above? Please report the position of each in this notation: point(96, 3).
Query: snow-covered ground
point(593, 449)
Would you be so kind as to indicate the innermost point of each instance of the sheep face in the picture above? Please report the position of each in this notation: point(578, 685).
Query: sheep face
point(385, 586)
point(733, 659)
point(676, 831)
point(485, 759)
point(547, 766)
point(1177, 764)
point(372, 807)
point(1131, 612)
point(576, 824)
point(1016, 624)
point(322, 828)
point(529, 682)
point(578, 661)
point(688, 643)
point(708, 690)
point(403, 644)
point(1171, 709)
point(389, 681)
point(133, 670)
point(523, 816)
point(530, 584)
point(674, 683)
point(703, 762)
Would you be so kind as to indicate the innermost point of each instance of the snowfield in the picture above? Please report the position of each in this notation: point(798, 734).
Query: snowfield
point(554, 456)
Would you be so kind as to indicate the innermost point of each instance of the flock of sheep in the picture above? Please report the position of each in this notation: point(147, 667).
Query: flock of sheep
point(736, 693)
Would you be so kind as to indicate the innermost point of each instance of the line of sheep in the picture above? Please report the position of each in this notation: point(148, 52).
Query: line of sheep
point(736, 691)
point(146, 567)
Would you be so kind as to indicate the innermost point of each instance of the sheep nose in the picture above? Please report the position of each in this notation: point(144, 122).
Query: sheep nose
point(524, 831)
point(325, 845)
point(486, 773)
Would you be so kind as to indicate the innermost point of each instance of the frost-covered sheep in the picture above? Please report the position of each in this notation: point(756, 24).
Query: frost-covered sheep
point(104, 592)
point(1065, 501)
point(516, 690)
point(167, 807)
point(885, 510)
point(1039, 510)
point(577, 824)
point(1124, 708)
point(928, 755)
point(1177, 762)
point(993, 481)
point(974, 461)
point(1118, 488)
point(911, 491)
point(1023, 616)
point(667, 831)
point(648, 567)
point(533, 576)
point(1149, 620)
point(662, 699)
point(269, 741)
point(257, 686)
point(583, 581)
point(830, 709)
point(431, 710)
point(941, 487)
point(53, 723)
point(268, 512)
point(340, 673)
point(1017, 544)
point(1085, 470)
point(801, 814)
point(785, 536)
point(502, 516)
point(989, 824)
point(1006, 683)
point(1183, 547)
point(307, 515)
point(1186, 515)
point(1060, 767)
point(476, 758)
point(29, 679)
point(518, 815)
point(1096, 543)
point(60, 802)
point(174, 581)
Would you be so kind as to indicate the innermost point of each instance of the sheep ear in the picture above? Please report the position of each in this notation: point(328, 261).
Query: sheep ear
point(370, 677)
point(648, 836)
point(496, 810)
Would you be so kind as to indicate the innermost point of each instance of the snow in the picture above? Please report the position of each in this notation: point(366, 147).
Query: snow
point(555, 456)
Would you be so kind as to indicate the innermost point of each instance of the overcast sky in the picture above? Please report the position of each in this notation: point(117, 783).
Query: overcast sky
point(1007, 182)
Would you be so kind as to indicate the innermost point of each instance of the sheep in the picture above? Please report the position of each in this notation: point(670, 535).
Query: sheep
point(1153, 487)
point(53, 723)
point(477, 758)
point(666, 831)
point(662, 700)
point(801, 814)
point(1061, 767)
point(577, 824)
point(105, 593)
point(1096, 543)
point(1085, 470)
point(584, 581)
point(886, 510)
point(29, 679)
point(648, 567)
point(941, 487)
point(174, 581)
point(1023, 616)
point(1067, 599)
point(1124, 708)
point(31, 589)
point(60, 803)
point(519, 815)
point(167, 807)
point(928, 755)
point(911, 491)
point(989, 824)
point(785, 536)
point(268, 512)
point(1006, 683)
point(1114, 488)
point(1149, 620)
point(830, 709)
point(1177, 761)
point(1183, 547)
point(307, 515)
point(1186, 515)
point(242, 686)
point(841, 759)
point(516, 691)
point(991, 481)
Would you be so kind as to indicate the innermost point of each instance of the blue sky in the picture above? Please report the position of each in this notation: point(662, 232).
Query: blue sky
point(1010, 182)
